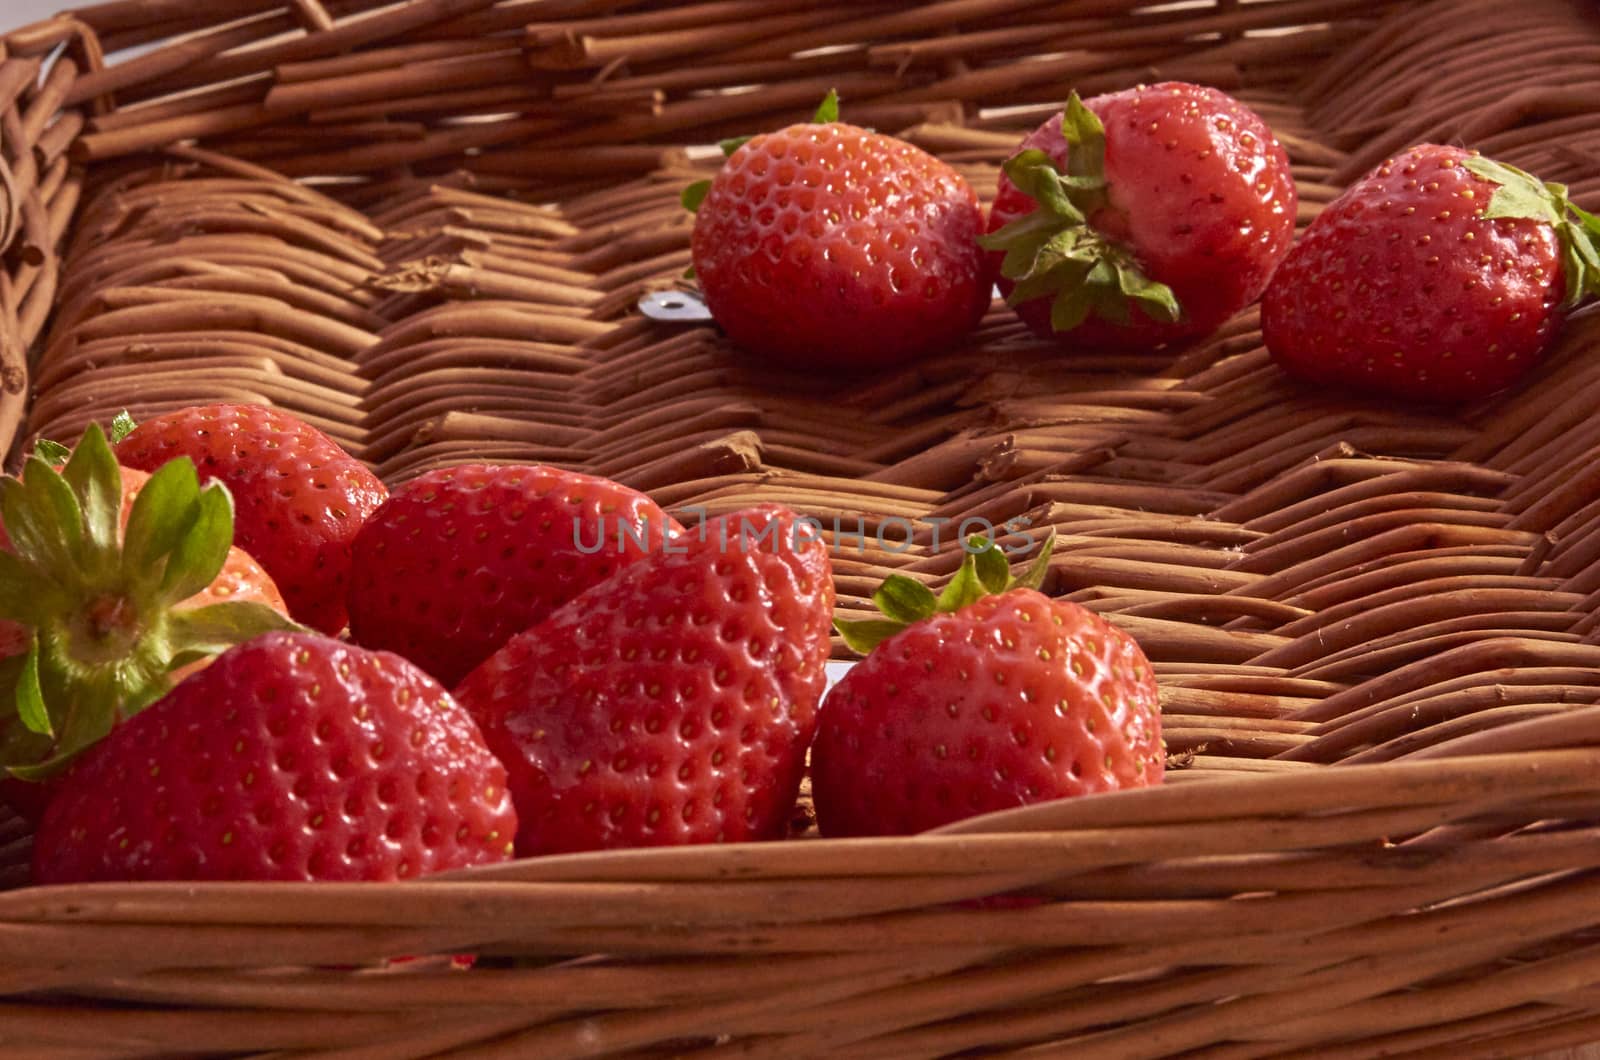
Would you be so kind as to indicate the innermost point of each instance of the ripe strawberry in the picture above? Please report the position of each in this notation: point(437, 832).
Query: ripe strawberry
point(1142, 217)
point(300, 498)
point(291, 757)
point(1439, 276)
point(672, 703)
point(826, 244)
point(992, 696)
point(103, 612)
point(461, 559)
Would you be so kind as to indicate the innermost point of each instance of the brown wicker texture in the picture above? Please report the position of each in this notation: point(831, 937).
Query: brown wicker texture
point(424, 228)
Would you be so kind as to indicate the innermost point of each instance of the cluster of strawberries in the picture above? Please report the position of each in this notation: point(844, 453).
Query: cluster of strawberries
point(1137, 220)
point(268, 667)
point(227, 652)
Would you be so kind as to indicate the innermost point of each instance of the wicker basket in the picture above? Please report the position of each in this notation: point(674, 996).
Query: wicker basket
point(424, 227)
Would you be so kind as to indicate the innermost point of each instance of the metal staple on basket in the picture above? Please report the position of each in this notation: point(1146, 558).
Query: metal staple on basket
point(424, 227)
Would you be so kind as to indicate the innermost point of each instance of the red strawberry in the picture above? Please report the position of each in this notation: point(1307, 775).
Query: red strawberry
point(104, 612)
point(300, 498)
point(461, 559)
point(1439, 276)
point(291, 757)
point(1142, 217)
point(672, 703)
point(826, 244)
point(980, 702)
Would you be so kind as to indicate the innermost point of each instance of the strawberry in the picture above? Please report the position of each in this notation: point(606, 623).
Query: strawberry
point(826, 244)
point(1142, 217)
point(672, 703)
point(1439, 276)
point(990, 696)
point(461, 559)
point(300, 498)
point(103, 611)
point(291, 757)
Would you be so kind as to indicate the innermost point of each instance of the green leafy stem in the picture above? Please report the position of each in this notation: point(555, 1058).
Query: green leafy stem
point(905, 601)
point(1055, 252)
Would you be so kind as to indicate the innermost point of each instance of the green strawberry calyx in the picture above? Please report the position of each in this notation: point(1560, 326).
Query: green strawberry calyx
point(98, 607)
point(1522, 195)
point(1055, 252)
point(904, 601)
